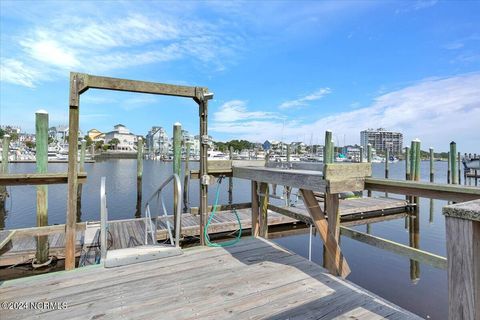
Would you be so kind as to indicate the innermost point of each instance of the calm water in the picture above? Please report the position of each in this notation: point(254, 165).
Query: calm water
point(381, 272)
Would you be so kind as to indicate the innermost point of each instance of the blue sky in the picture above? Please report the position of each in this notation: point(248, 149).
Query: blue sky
point(279, 70)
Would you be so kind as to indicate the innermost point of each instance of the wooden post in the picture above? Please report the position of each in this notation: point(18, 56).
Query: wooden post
point(416, 172)
point(80, 185)
point(462, 223)
point(288, 154)
point(255, 207)
point(203, 104)
point(369, 160)
point(327, 155)
point(331, 246)
point(186, 179)
point(432, 168)
point(70, 226)
point(448, 168)
point(361, 154)
point(453, 162)
point(41, 155)
point(407, 163)
point(4, 168)
point(263, 206)
point(177, 162)
point(140, 177)
point(333, 215)
point(230, 180)
point(459, 166)
point(387, 163)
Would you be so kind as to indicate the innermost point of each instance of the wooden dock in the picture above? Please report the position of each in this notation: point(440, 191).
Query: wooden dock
point(131, 232)
point(254, 279)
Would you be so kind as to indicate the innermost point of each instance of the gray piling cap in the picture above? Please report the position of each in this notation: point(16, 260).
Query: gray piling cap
point(41, 111)
point(177, 124)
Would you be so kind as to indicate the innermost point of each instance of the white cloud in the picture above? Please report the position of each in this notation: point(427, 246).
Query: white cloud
point(236, 110)
point(97, 43)
point(437, 110)
point(16, 72)
point(303, 101)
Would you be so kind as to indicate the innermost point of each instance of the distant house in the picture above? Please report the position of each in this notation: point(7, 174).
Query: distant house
point(60, 133)
point(95, 135)
point(123, 134)
point(267, 145)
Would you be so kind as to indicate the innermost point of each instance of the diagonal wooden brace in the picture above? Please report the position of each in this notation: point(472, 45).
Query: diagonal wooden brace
point(340, 266)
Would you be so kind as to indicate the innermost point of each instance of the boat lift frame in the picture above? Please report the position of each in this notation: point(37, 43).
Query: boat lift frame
point(80, 83)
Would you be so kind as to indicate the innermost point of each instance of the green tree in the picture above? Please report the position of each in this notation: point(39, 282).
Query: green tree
point(2, 133)
point(114, 142)
point(13, 136)
point(98, 144)
point(89, 140)
point(105, 147)
point(30, 144)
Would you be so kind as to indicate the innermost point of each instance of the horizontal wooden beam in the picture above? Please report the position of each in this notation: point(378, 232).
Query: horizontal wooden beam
point(47, 230)
point(106, 83)
point(224, 207)
point(451, 192)
point(302, 179)
point(17, 179)
point(398, 248)
point(342, 171)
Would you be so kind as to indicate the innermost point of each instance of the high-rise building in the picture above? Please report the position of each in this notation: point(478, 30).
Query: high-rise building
point(157, 141)
point(382, 139)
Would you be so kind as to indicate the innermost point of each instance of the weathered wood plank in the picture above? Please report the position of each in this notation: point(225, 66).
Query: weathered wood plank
point(16, 179)
point(331, 245)
point(343, 171)
point(395, 247)
point(450, 192)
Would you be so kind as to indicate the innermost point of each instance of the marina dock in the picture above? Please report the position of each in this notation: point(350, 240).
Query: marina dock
point(254, 279)
point(131, 232)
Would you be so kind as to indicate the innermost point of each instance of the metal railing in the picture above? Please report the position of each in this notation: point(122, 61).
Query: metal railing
point(150, 227)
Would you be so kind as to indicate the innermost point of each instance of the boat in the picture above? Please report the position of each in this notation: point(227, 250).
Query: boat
point(217, 155)
point(377, 159)
point(471, 163)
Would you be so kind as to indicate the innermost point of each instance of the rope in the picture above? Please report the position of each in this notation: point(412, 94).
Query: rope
point(210, 218)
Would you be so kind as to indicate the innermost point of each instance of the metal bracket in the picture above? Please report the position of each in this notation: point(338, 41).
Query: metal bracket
point(205, 139)
point(207, 180)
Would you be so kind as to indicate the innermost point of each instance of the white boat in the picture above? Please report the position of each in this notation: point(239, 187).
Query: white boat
point(378, 159)
point(472, 163)
point(217, 155)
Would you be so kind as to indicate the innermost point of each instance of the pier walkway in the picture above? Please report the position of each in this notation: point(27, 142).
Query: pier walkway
point(131, 232)
point(254, 279)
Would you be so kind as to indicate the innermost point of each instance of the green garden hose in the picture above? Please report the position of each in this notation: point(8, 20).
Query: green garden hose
point(205, 233)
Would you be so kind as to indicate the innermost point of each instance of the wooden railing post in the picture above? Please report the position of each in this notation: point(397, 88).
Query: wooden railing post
point(138, 213)
point(177, 162)
point(41, 155)
point(4, 168)
point(462, 222)
point(254, 209)
point(73, 125)
point(263, 205)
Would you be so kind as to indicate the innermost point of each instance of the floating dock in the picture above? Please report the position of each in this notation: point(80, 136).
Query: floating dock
point(131, 232)
point(255, 279)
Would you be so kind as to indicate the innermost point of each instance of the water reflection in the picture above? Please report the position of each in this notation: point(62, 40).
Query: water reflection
point(414, 239)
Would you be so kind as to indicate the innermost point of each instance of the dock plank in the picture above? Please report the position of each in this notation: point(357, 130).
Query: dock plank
point(285, 286)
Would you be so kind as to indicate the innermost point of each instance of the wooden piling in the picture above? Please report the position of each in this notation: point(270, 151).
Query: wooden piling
point(448, 169)
point(387, 163)
point(255, 209)
point(369, 160)
point(73, 125)
point(138, 213)
point(186, 178)
point(203, 111)
point(263, 206)
point(407, 163)
point(361, 154)
point(453, 162)
point(83, 145)
point(4, 168)
point(177, 160)
point(459, 166)
point(230, 179)
point(462, 228)
point(432, 168)
point(327, 155)
point(41, 155)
